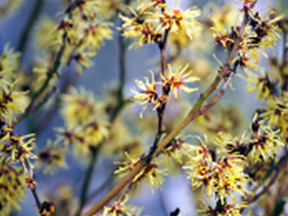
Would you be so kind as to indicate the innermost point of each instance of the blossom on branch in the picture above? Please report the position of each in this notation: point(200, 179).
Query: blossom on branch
point(176, 79)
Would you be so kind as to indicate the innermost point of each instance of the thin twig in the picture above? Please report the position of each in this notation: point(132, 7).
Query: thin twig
point(32, 189)
point(88, 177)
point(24, 38)
point(165, 93)
point(277, 169)
point(51, 73)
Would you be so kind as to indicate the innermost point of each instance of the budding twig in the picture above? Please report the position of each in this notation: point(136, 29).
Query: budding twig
point(193, 114)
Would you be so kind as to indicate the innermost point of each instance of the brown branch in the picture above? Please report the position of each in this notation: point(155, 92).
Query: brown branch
point(51, 73)
point(32, 189)
point(88, 177)
point(126, 180)
point(24, 38)
point(165, 93)
point(217, 96)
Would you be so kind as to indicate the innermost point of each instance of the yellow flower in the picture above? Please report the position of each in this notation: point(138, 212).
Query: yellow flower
point(152, 174)
point(51, 158)
point(151, 19)
point(8, 67)
point(176, 19)
point(79, 107)
point(224, 176)
point(276, 110)
point(86, 9)
point(178, 41)
point(12, 103)
point(220, 119)
point(201, 176)
point(95, 132)
point(46, 39)
point(90, 9)
point(118, 208)
point(245, 61)
point(83, 59)
point(128, 164)
point(160, 3)
point(233, 145)
point(148, 93)
point(176, 80)
point(16, 148)
point(12, 185)
point(74, 138)
point(261, 82)
point(121, 141)
point(96, 33)
point(175, 149)
point(67, 26)
point(230, 178)
point(222, 38)
point(144, 31)
point(265, 142)
point(82, 138)
point(229, 208)
point(222, 17)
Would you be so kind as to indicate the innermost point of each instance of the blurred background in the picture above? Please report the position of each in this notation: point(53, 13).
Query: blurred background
point(104, 76)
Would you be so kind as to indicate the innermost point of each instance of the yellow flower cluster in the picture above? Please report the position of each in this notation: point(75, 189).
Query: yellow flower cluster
point(8, 67)
point(12, 185)
point(83, 29)
point(276, 114)
point(174, 81)
point(229, 209)
point(260, 34)
point(267, 88)
point(152, 174)
point(265, 143)
point(150, 20)
point(119, 208)
point(260, 143)
point(224, 176)
point(15, 149)
point(86, 122)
